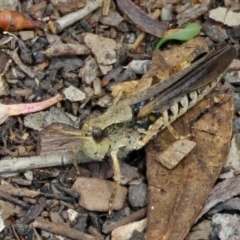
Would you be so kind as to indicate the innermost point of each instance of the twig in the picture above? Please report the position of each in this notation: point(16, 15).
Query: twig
point(17, 60)
point(130, 218)
point(69, 19)
point(106, 7)
point(25, 163)
point(67, 49)
point(94, 231)
point(20, 192)
point(8, 197)
point(61, 229)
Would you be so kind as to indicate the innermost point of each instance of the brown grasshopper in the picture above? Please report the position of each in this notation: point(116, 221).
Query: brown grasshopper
point(114, 133)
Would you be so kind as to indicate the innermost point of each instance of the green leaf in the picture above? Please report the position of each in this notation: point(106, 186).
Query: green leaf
point(189, 32)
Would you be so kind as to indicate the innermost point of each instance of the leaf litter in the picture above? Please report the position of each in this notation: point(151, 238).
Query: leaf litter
point(105, 45)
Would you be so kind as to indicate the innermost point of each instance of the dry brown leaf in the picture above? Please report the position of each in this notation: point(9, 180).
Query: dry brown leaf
point(142, 21)
point(161, 61)
point(131, 87)
point(221, 193)
point(176, 196)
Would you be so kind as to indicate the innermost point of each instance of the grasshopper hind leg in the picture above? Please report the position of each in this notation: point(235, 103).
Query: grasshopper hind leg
point(117, 180)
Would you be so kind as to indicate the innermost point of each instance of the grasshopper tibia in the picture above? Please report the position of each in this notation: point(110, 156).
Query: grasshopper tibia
point(117, 180)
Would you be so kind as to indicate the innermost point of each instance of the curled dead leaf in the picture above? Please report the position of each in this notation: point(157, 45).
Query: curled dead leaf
point(12, 21)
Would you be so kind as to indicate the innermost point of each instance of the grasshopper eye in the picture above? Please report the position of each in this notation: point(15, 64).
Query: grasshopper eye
point(98, 134)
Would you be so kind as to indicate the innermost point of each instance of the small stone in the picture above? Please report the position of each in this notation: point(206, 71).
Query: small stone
point(200, 231)
point(138, 195)
point(232, 19)
point(34, 120)
point(26, 35)
point(128, 173)
point(57, 115)
point(9, 4)
point(81, 222)
point(89, 71)
point(236, 101)
point(236, 125)
point(140, 66)
point(56, 218)
point(95, 194)
point(102, 48)
point(226, 226)
point(167, 13)
point(112, 19)
point(28, 175)
point(232, 163)
point(74, 94)
point(218, 14)
point(72, 215)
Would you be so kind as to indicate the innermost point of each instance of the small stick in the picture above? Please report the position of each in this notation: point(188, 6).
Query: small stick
point(130, 218)
point(9, 198)
point(61, 229)
point(17, 60)
point(106, 7)
point(141, 36)
point(25, 163)
point(94, 231)
point(21, 181)
point(67, 49)
point(71, 18)
point(20, 192)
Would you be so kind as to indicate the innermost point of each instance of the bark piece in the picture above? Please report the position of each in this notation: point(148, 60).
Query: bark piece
point(192, 11)
point(221, 193)
point(176, 196)
point(34, 120)
point(61, 229)
point(112, 19)
point(230, 205)
point(62, 49)
point(232, 163)
point(142, 21)
point(8, 209)
point(68, 6)
point(226, 226)
point(34, 211)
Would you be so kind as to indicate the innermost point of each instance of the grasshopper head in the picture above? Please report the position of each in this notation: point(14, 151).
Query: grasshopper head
point(95, 144)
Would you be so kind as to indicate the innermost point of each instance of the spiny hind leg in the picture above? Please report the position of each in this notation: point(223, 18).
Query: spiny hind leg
point(117, 180)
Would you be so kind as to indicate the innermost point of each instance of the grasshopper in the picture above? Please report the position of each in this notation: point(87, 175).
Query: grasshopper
point(114, 133)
